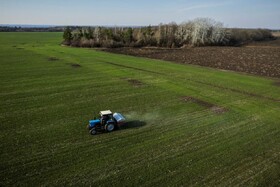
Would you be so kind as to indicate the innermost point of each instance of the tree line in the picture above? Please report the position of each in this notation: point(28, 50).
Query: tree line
point(198, 32)
point(31, 29)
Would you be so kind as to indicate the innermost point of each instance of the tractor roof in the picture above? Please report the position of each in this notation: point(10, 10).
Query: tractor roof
point(105, 112)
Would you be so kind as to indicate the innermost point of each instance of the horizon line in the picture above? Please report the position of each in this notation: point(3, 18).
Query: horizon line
point(74, 25)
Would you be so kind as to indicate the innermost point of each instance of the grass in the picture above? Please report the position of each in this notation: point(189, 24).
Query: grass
point(46, 103)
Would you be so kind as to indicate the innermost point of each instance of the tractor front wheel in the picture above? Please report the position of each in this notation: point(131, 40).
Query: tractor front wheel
point(109, 127)
point(93, 131)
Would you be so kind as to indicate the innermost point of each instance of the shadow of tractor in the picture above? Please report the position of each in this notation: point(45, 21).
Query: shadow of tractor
point(127, 125)
point(132, 124)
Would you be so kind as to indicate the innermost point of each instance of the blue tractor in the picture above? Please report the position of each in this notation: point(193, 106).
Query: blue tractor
point(107, 122)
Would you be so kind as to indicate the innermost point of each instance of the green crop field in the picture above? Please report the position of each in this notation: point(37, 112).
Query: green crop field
point(187, 125)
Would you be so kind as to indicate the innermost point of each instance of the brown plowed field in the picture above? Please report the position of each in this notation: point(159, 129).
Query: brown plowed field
point(259, 58)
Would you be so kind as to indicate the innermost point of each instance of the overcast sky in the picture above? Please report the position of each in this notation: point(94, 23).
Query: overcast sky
point(233, 13)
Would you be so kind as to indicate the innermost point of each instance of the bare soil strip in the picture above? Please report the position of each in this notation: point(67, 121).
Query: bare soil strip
point(76, 65)
point(53, 59)
point(135, 82)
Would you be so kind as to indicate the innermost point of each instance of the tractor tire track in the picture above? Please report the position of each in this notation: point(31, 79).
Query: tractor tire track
point(134, 68)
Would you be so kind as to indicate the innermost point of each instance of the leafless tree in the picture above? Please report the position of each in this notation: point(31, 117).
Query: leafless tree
point(97, 32)
point(206, 31)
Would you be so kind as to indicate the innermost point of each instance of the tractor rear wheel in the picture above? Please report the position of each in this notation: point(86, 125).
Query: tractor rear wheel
point(93, 131)
point(109, 127)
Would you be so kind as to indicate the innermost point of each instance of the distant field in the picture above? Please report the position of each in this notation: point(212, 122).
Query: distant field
point(188, 125)
point(259, 58)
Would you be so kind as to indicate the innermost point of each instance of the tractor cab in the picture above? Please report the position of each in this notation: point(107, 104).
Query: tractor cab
point(106, 116)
